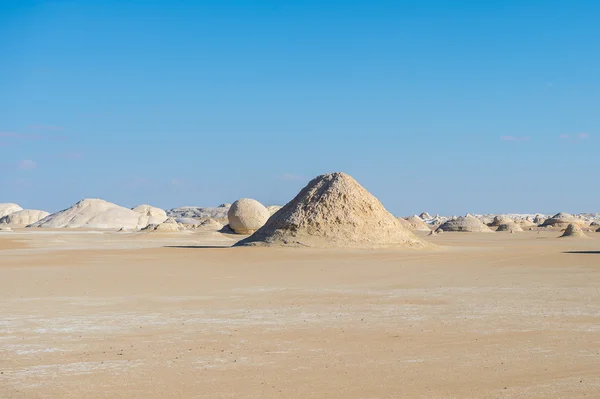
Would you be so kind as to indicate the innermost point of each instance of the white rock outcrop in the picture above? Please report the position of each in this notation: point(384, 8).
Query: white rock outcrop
point(8, 208)
point(23, 218)
point(93, 214)
point(150, 215)
point(247, 215)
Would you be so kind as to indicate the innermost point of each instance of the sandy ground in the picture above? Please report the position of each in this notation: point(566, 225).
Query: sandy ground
point(107, 315)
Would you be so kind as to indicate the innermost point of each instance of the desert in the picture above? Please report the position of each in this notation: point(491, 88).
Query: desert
point(299, 199)
point(177, 309)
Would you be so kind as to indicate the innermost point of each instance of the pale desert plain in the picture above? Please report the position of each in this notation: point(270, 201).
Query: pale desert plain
point(113, 315)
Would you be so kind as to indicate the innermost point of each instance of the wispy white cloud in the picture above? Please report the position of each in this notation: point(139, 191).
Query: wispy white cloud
point(26, 164)
point(575, 137)
point(20, 136)
point(514, 138)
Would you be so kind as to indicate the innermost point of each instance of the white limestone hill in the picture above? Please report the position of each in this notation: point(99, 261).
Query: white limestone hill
point(94, 214)
point(333, 210)
point(23, 218)
point(8, 208)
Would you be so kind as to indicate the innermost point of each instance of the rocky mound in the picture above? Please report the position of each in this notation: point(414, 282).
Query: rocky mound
point(196, 212)
point(8, 208)
point(560, 220)
point(465, 224)
point(23, 218)
point(93, 214)
point(573, 230)
point(333, 210)
point(416, 224)
point(510, 227)
point(499, 220)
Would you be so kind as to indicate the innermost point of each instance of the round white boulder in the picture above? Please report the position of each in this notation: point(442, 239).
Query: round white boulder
point(247, 215)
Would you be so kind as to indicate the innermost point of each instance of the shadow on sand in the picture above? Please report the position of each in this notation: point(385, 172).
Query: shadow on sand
point(582, 252)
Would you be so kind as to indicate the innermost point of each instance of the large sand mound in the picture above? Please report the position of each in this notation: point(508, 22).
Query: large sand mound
point(574, 230)
point(465, 224)
point(8, 208)
point(333, 210)
point(24, 217)
point(94, 214)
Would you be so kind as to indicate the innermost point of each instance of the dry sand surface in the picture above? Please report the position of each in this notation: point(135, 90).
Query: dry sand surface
point(133, 315)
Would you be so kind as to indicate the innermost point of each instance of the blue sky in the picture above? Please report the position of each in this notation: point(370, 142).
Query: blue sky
point(444, 106)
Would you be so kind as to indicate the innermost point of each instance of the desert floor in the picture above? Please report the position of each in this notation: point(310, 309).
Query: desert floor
point(116, 315)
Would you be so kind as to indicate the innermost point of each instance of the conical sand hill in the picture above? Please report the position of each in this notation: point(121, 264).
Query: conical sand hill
point(573, 230)
point(333, 210)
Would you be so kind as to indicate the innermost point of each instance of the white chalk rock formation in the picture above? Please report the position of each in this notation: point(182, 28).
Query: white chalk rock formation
point(92, 214)
point(465, 224)
point(196, 212)
point(247, 215)
point(23, 218)
point(8, 208)
point(333, 210)
point(150, 215)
